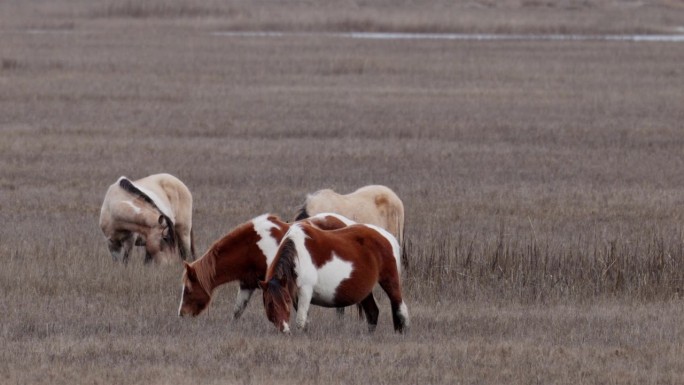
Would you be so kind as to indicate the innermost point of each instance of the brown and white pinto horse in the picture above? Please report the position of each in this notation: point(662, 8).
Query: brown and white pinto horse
point(333, 269)
point(241, 255)
point(155, 212)
point(375, 204)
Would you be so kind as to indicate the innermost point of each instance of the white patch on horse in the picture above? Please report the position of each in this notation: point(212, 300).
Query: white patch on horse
point(267, 244)
point(403, 310)
point(135, 208)
point(304, 266)
point(396, 249)
point(163, 207)
point(330, 276)
point(341, 218)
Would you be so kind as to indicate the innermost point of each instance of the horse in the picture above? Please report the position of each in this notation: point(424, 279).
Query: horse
point(333, 268)
point(375, 204)
point(241, 255)
point(155, 212)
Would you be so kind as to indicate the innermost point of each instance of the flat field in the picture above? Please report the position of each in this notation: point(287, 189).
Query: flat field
point(543, 184)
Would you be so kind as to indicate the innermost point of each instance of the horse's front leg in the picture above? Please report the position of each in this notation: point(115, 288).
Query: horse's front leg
point(187, 253)
point(243, 296)
point(121, 249)
point(304, 300)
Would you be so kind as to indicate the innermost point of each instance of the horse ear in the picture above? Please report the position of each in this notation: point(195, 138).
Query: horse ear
point(190, 271)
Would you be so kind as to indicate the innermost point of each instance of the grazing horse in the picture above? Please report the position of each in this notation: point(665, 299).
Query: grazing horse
point(241, 255)
point(375, 204)
point(333, 268)
point(155, 212)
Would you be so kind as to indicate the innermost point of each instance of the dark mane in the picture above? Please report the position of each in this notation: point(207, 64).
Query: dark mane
point(285, 266)
point(301, 213)
point(128, 186)
point(284, 272)
point(276, 291)
point(171, 238)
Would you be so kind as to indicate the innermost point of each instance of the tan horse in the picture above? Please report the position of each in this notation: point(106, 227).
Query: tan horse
point(375, 204)
point(155, 212)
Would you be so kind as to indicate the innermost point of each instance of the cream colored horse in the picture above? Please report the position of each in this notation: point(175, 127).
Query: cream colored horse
point(155, 212)
point(375, 204)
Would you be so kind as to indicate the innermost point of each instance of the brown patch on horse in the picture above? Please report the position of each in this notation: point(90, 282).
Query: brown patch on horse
point(205, 271)
point(236, 256)
point(329, 222)
point(361, 257)
point(381, 201)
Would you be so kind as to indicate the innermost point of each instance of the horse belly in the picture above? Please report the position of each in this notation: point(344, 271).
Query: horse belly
point(340, 285)
point(330, 277)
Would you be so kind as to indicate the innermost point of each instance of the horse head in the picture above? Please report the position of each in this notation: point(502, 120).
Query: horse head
point(195, 296)
point(161, 243)
point(277, 302)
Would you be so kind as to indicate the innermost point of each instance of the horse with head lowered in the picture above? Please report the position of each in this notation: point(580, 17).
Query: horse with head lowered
point(333, 268)
point(241, 255)
point(154, 212)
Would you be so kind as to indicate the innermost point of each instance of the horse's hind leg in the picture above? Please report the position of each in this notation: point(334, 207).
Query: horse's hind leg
point(127, 247)
point(148, 258)
point(120, 248)
point(371, 309)
point(186, 247)
point(400, 316)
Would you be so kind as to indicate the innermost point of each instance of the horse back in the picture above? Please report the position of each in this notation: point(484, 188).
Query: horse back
point(367, 247)
point(374, 204)
point(171, 195)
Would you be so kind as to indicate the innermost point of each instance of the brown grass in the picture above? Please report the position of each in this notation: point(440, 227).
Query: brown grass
point(542, 183)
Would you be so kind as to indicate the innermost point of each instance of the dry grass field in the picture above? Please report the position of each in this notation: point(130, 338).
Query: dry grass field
point(543, 183)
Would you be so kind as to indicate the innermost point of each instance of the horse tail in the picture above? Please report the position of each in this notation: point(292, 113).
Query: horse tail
point(192, 244)
point(396, 212)
point(302, 213)
point(404, 247)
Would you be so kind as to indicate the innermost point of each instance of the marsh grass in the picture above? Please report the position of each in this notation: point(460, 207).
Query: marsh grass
point(527, 272)
point(161, 10)
point(542, 183)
